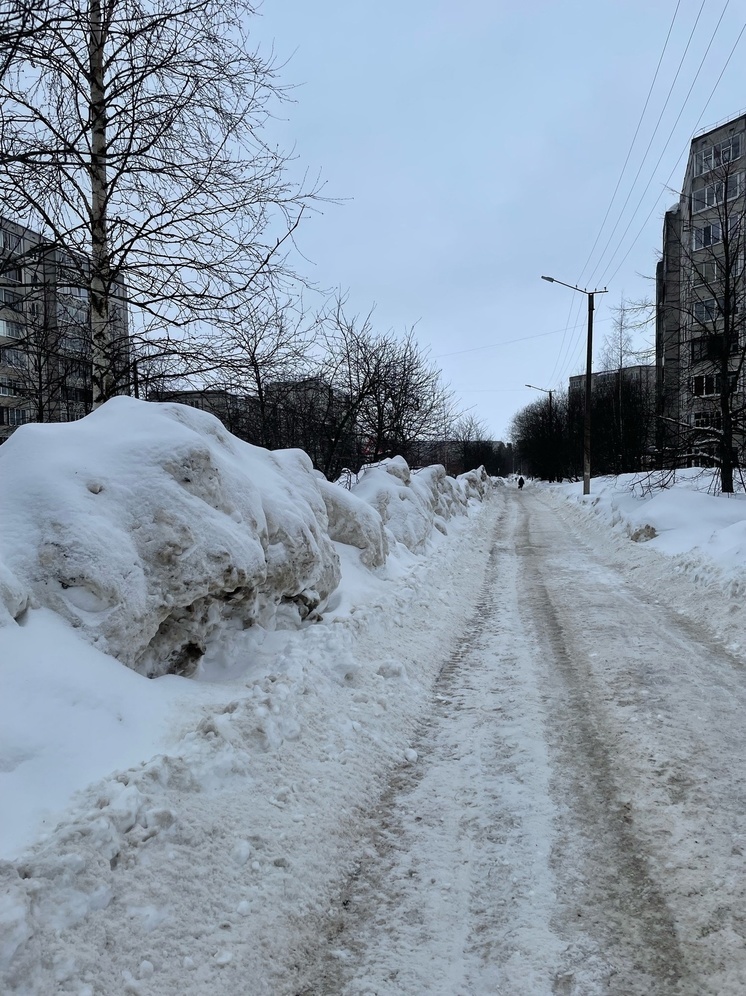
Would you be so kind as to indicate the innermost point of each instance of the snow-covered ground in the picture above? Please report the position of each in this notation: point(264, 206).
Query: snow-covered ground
point(701, 535)
point(427, 737)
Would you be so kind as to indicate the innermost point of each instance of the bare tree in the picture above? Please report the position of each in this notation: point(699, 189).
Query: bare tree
point(413, 398)
point(130, 138)
point(264, 358)
point(621, 347)
point(548, 437)
point(473, 447)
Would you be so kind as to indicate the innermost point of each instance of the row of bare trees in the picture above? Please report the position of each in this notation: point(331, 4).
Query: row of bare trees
point(549, 444)
point(327, 382)
point(548, 434)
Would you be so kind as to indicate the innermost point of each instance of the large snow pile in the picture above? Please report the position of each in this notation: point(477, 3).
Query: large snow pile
point(128, 535)
point(161, 529)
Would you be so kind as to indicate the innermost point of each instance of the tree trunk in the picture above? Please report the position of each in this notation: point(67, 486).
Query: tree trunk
point(102, 372)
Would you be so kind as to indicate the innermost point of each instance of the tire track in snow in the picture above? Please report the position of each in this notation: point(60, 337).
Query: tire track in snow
point(452, 895)
point(620, 931)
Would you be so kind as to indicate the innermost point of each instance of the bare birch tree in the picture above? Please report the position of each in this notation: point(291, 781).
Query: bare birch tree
point(130, 138)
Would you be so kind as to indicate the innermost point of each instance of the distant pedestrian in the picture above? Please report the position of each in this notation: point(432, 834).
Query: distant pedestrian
point(521, 482)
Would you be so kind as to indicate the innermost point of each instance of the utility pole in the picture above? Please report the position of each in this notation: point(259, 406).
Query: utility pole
point(588, 368)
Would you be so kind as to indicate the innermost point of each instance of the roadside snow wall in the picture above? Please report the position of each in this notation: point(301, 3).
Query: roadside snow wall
point(149, 526)
point(411, 505)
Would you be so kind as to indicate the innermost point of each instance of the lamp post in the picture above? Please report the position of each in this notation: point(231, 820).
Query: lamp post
point(588, 366)
point(544, 390)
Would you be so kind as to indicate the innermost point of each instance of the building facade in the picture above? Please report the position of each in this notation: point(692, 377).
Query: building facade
point(45, 332)
point(700, 332)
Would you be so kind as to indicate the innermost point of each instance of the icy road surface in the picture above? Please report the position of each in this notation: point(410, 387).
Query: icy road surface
point(575, 822)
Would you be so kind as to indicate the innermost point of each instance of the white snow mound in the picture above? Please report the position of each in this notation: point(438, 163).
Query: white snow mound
point(162, 529)
point(411, 505)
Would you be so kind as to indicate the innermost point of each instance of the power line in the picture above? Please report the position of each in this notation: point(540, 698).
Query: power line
point(572, 345)
point(653, 136)
point(668, 142)
point(564, 354)
point(686, 149)
point(505, 342)
point(634, 137)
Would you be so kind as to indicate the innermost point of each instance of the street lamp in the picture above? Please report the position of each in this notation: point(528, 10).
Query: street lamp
point(588, 366)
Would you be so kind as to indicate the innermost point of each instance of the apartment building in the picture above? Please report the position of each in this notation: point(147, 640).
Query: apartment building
point(700, 330)
point(45, 333)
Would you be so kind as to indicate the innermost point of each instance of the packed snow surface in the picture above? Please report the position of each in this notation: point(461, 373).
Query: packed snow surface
point(368, 784)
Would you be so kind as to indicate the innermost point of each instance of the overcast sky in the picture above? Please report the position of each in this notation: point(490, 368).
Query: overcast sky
point(478, 145)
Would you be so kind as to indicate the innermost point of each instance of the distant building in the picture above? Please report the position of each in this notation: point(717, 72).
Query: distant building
point(45, 332)
point(641, 375)
point(307, 413)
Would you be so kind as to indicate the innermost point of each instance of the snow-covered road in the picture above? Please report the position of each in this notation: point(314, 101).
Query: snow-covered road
point(510, 766)
point(575, 822)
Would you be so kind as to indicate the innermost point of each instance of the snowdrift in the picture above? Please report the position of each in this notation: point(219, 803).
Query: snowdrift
point(150, 528)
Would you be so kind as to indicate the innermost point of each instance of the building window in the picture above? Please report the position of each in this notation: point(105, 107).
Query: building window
point(14, 416)
point(10, 330)
point(75, 345)
point(10, 388)
point(77, 395)
point(705, 273)
point(712, 194)
point(13, 358)
point(707, 420)
point(13, 273)
point(708, 310)
point(10, 242)
point(73, 290)
point(710, 347)
point(704, 385)
point(715, 155)
point(10, 299)
point(77, 369)
point(704, 236)
point(72, 312)
point(72, 412)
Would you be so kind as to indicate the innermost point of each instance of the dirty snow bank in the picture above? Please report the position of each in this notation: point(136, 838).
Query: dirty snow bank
point(211, 815)
point(150, 528)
